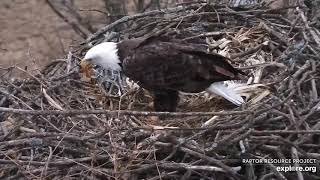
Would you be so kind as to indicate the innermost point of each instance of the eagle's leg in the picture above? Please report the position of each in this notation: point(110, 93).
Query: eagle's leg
point(165, 100)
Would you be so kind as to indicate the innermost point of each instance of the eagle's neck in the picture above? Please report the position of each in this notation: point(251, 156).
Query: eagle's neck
point(126, 47)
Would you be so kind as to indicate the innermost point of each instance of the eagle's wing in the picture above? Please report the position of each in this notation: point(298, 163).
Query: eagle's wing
point(183, 67)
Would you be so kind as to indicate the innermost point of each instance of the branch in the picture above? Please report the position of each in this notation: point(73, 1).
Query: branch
point(72, 17)
point(129, 18)
point(115, 113)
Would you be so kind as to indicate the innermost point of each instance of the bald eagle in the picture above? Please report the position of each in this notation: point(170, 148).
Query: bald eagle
point(166, 66)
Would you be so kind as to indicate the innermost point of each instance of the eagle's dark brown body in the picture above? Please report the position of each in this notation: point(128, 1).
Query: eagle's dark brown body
point(165, 66)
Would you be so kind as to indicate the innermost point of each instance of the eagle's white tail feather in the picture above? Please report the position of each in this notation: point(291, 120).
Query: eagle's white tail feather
point(220, 89)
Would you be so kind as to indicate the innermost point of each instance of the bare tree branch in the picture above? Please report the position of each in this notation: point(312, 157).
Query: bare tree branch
point(70, 15)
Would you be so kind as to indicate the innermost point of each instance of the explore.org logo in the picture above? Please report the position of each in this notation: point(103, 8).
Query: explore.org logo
point(286, 165)
point(297, 168)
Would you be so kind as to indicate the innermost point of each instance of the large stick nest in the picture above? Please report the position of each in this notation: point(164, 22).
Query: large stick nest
point(56, 126)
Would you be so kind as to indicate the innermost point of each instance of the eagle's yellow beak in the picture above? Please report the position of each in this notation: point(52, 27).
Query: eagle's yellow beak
point(86, 68)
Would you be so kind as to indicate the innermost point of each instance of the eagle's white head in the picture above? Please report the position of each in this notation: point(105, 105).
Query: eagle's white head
point(104, 55)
